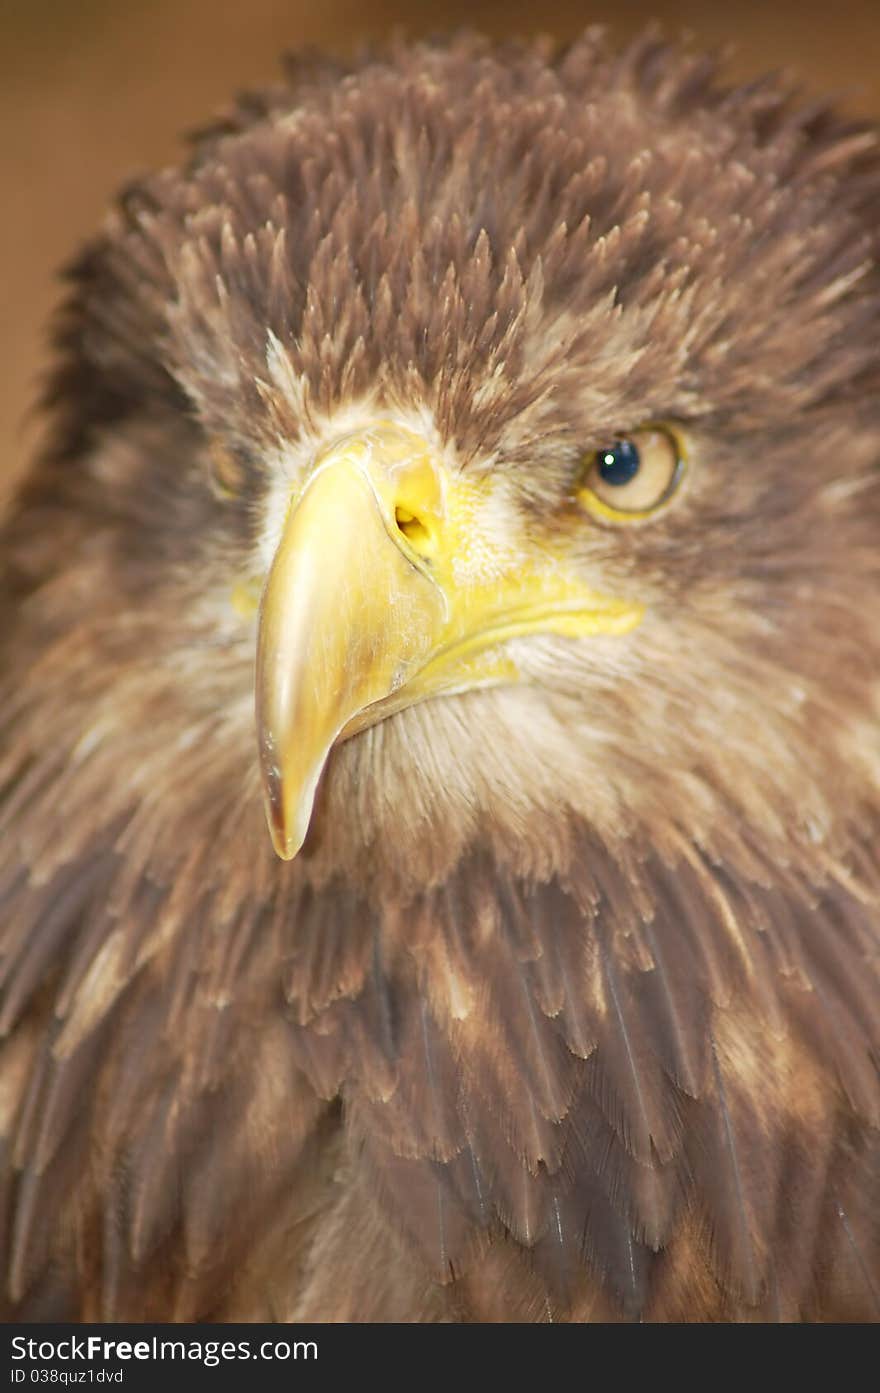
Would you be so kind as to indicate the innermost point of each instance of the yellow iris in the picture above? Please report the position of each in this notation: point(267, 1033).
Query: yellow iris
point(634, 477)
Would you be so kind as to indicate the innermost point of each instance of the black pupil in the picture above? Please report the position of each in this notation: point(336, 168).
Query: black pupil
point(619, 463)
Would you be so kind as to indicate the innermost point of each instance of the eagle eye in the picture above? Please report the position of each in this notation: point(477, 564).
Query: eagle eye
point(227, 471)
point(634, 476)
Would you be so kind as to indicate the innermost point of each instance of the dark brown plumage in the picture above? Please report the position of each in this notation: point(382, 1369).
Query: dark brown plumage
point(569, 1006)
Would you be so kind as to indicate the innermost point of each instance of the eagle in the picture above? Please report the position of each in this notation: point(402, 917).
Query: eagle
point(440, 681)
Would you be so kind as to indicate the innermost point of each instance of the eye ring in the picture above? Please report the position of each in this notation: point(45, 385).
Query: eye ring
point(635, 476)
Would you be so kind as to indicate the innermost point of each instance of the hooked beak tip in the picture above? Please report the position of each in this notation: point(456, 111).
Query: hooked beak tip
point(285, 847)
point(288, 825)
point(285, 850)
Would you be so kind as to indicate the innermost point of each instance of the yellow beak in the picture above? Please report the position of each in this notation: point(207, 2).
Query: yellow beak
point(386, 589)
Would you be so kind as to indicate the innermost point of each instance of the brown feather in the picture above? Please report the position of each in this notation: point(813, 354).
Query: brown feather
point(569, 1007)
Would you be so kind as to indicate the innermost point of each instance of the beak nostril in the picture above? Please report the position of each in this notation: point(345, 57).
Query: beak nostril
point(413, 529)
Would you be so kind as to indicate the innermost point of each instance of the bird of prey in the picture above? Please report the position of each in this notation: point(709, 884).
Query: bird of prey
point(466, 463)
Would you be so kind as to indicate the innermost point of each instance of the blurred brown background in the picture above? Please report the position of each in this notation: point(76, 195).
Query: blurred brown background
point(94, 90)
